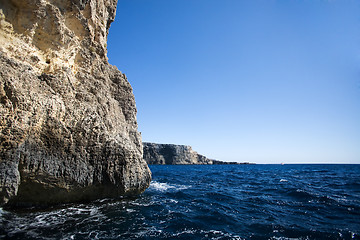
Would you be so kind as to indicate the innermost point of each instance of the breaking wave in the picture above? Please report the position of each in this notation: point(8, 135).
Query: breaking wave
point(162, 187)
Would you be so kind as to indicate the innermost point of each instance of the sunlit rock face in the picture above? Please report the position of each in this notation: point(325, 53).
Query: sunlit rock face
point(68, 128)
point(171, 154)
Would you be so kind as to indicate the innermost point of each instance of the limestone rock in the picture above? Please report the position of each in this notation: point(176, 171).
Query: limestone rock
point(68, 128)
point(171, 154)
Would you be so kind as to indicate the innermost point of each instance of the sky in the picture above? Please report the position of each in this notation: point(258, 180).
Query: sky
point(247, 81)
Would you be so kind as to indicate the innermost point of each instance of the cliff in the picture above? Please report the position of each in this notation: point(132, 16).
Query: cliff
point(68, 128)
point(172, 154)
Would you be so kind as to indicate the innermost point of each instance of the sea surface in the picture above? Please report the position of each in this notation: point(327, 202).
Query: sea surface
point(211, 202)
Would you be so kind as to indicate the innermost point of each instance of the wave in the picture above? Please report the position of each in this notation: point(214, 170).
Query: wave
point(224, 203)
point(163, 187)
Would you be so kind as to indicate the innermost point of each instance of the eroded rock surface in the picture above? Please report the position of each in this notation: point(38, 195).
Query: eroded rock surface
point(68, 128)
point(171, 154)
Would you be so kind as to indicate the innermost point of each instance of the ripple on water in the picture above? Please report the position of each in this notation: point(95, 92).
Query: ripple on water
point(211, 202)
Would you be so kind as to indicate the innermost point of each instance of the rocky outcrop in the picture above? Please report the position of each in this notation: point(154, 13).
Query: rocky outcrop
point(68, 128)
point(172, 154)
point(217, 162)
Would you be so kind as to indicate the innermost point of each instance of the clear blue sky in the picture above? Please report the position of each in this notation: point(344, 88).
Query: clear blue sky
point(258, 81)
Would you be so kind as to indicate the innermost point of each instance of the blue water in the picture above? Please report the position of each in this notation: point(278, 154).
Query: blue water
point(212, 202)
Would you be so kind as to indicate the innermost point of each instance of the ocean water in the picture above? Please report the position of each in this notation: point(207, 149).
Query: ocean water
point(211, 202)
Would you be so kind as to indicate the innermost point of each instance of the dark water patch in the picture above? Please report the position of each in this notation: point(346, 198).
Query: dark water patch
point(212, 202)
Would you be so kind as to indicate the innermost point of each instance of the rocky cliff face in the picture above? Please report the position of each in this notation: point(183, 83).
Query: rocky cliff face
point(172, 154)
point(68, 129)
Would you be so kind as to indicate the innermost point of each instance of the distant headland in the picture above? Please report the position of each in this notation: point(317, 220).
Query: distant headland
point(172, 154)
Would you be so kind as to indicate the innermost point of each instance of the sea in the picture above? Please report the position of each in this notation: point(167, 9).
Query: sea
point(211, 202)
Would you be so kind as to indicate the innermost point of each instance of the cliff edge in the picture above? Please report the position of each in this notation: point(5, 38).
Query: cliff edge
point(171, 154)
point(68, 128)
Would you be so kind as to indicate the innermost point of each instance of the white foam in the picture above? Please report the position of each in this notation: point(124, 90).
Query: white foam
point(185, 231)
point(162, 187)
point(216, 234)
point(173, 201)
point(286, 238)
point(283, 180)
point(152, 232)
